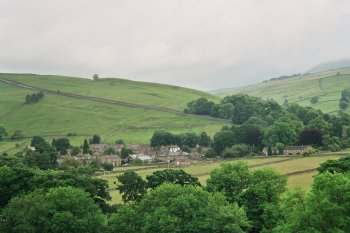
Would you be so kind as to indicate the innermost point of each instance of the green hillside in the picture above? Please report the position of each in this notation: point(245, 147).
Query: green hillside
point(325, 85)
point(56, 115)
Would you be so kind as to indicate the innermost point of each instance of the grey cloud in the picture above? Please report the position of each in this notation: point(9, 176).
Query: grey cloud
point(201, 44)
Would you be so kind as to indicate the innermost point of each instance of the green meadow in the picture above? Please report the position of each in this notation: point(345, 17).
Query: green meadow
point(327, 86)
point(282, 165)
point(57, 116)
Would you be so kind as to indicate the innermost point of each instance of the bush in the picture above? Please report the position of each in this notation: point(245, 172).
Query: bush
point(110, 151)
point(107, 166)
point(238, 150)
point(75, 151)
point(211, 153)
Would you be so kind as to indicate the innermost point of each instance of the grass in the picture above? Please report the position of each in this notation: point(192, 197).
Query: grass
point(202, 171)
point(56, 116)
point(117, 89)
point(326, 85)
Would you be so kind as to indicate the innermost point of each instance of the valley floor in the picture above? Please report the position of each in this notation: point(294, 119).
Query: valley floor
point(300, 170)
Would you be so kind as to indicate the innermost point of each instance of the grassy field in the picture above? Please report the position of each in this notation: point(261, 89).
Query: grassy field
point(56, 116)
point(202, 171)
point(117, 89)
point(326, 85)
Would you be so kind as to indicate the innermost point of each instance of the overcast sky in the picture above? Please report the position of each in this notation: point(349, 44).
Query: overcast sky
point(202, 44)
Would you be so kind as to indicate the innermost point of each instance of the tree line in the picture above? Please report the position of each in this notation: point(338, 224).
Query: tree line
point(235, 199)
point(258, 123)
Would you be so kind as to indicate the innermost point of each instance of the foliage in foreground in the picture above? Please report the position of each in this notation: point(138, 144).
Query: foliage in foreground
point(175, 208)
point(62, 209)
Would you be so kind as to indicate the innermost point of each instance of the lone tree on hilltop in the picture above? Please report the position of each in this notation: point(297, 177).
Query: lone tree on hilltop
point(95, 77)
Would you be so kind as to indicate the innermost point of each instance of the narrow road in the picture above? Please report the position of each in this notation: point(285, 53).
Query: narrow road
point(108, 101)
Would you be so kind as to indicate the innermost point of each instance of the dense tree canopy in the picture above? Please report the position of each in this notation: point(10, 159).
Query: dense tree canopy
point(341, 165)
point(96, 139)
point(173, 208)
point(61, 145)
point(259, 191)
point(132, 187)
point(62, 209)
point(325, 209)
point(171, 176)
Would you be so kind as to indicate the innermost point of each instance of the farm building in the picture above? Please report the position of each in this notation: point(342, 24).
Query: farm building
point(297, 150)
point(140, 157)
point(274, 151)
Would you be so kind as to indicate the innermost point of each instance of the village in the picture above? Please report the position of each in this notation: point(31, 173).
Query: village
point(144, 154)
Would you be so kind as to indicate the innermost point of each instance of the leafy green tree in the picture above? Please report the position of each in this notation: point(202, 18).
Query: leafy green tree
point(344, 104)
point(132, 187)
point(325, 209)
point(3, 132)
point(280, 132)
point(107, 166)
point(261, 199)
point(258, 192)
point(314, 100)
point(61, 144)
point(125, 152)
point(248, 134)
point(95, 77)
point(119, 141)
point(85, 147)
point(14, 181)
point(62, 209)
point(18, 180)
point(223, 139)
point(200, 106)
point(75, 151)
point(320, 124)
point(36, 140)
point(231, 179)
point(280, 147)
point(11, 161)
point(175, 208)
point(96, 139)
point(331, 143)
point(341, 165)
point(238, 150)
point(223, 110)
point(311, 137)
point(164, 138)
point(191, 140)
point(110, 151)
point(171, 176)
point(44, 156)
point(204, 139)
point(211, 153)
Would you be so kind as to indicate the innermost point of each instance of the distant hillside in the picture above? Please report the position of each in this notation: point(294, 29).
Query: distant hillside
point(112, 108)
point(300, 89)
point(330, 66)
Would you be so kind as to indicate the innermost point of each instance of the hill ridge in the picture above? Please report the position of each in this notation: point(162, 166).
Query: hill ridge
point(104, 100)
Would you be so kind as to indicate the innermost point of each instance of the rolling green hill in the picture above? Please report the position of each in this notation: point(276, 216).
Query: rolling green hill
point(112, 108)
point(325, 85)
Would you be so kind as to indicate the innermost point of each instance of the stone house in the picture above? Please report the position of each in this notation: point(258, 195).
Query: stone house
point(274, 151)
point(140, 157)
point(141, 149)
point(113, 159)
point(297, 150)
point(98, 148)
